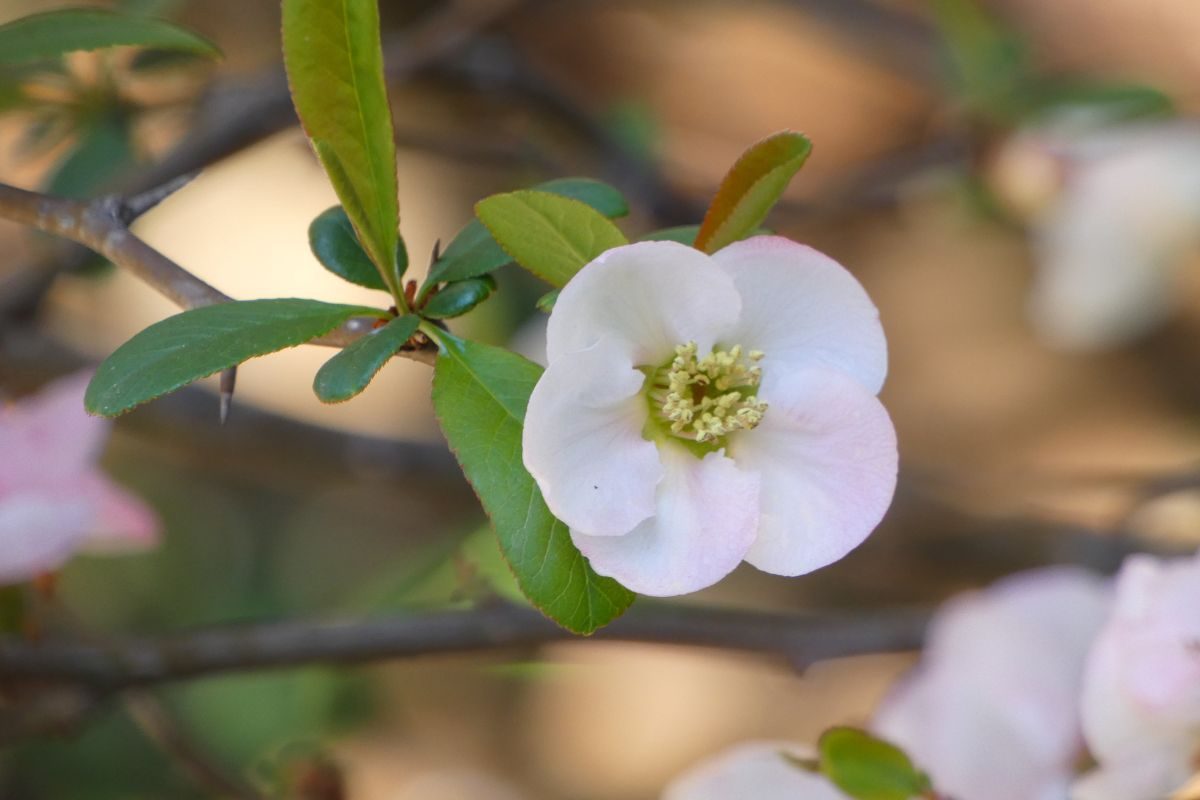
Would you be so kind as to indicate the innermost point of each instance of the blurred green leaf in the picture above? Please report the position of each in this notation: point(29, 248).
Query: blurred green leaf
point(1111, 102)
point(55, 33)
point(335, 68)
point(868, 768)
point(348, 373)
point(244, 719)
point(103, 151)
point(750, 188)
point(550, 235)
point(987, 63)
point(458, 298)
point(201, 342)
point(12, 609)
point(474, 252)
point(335, 244)
point(480, 394)
point(150, 61)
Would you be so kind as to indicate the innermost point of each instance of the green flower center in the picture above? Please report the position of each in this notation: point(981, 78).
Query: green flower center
point(704, 399)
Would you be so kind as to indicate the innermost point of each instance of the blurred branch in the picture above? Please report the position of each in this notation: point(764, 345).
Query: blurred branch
point(122, 664)
point(102, 225)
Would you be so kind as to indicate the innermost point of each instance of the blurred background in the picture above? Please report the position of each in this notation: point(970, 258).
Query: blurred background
point(1016, 183)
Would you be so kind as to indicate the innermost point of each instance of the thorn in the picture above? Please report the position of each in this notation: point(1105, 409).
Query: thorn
point(139, 204)
point(437, 252)
point(228, 381)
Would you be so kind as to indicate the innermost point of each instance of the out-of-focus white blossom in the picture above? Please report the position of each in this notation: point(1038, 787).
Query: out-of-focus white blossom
point(1141, 699)
point(700, 410)
point(1110, 242)
point(53, 499)
point(992, 710)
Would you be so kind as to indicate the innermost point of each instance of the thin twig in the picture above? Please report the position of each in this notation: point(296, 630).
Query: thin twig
point(164, 730)
point(102, 225)
point(122, 664)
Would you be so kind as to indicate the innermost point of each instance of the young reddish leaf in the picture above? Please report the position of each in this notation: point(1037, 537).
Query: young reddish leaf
point(335, 68)
point(751, 188)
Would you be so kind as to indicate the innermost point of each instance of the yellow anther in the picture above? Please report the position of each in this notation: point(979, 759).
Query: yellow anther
point(707, 398)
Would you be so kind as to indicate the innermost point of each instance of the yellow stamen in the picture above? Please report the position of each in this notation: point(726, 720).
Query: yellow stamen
point(707, 398)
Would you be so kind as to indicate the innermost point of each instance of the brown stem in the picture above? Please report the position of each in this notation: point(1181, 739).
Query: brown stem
point(121, 664)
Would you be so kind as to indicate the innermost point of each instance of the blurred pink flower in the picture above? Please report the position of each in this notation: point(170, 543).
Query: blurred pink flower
point(698, 411)
point(53, 498)
point(992, 710)
point(752, 771)
point(1141, 697)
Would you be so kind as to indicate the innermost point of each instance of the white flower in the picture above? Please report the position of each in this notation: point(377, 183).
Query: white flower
point(752, 771)
point(992, 711)
point(1141, 698)
point(700, 410)
point(53, 499)
point(1111, 245)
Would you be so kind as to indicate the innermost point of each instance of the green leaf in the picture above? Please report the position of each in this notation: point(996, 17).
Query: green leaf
point(600, 196)
point(987, 63)
point(103, 150)
point(197, 343)
point(546, 302)
point(459, 298)
point(335, 67)
point(348, 373)
point(549, 235)
point(333, 241)
point(867, 768)
point(751, 188)
point(1111, 102)
point(474, 252)
point(56, 33)
point(480, 394)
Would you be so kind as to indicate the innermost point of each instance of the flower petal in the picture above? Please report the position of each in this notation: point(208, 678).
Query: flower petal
point(1142, 684)
point(53, 425)
point(39, 532)
point(583, 442)
point(752, 771)
point(120, 521)
point(647, 298)
point(826, 451)
point(803, 309)
point(706, 515)
point(992, 711)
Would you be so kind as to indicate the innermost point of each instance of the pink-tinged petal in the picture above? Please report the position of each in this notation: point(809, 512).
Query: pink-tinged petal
point(1150, 775)
point(52, 428)
point(752, 771)
point(38, 533)
point(1142, 685)
point(120, 521)
point(803, 310)
point(992, 710)
point(826, 451)
point(705, 518)
point(646, 298)
point(583, 442)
